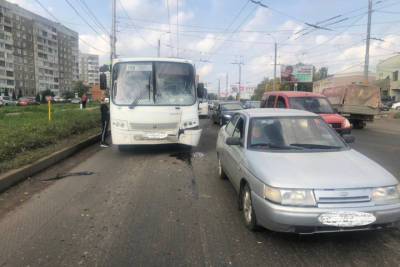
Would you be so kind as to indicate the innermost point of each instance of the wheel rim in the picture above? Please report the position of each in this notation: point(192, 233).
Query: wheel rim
point(247, 209)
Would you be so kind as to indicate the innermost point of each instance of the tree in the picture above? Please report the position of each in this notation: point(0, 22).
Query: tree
point(80, 88)
point(212, 96)
point(322, 73)
point(230, 98)
point(104, 68)
point(14, 96)
point(6, 92)
point(37, 98)
point(19, 93)
point(68, 95)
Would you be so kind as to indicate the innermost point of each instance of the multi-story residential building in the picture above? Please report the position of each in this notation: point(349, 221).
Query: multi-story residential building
point(35, 53)
point(388, 70)
point(89, 69)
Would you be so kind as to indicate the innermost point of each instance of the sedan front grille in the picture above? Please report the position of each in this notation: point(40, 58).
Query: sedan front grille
point(342, 196)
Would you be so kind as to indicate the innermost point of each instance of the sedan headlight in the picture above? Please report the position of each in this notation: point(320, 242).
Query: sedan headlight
point(290, 197)
point(227, 116)
point(386, 195)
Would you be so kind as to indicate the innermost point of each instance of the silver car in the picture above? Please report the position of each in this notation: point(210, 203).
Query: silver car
point(293, 173)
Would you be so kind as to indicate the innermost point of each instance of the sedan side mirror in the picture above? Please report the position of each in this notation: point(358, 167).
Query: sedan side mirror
point(349, 138)
point(233, 141)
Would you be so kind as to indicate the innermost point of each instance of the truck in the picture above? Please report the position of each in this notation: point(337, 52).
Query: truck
point(359, 103)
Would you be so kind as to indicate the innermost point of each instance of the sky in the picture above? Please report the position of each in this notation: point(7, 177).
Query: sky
point(217, 33)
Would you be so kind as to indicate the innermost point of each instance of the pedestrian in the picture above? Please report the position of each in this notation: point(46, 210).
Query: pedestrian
point(105, 120)
point(84, 100)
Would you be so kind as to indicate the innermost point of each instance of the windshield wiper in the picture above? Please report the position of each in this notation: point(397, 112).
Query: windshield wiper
point(276, 146)
point(316, 146)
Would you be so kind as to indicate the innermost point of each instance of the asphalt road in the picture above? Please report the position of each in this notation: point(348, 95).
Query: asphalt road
point(167, 207)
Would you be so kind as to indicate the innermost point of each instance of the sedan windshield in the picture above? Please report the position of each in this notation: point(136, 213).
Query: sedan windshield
point(153, 83)
point(300, 133)
point(231, 106)
point(317, 105)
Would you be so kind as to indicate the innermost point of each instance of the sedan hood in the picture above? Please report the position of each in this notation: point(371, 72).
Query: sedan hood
point(317, 170)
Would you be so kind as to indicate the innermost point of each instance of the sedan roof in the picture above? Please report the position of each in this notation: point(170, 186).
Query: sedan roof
point(276, 112)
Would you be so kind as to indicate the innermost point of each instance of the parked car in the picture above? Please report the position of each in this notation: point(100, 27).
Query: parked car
point(7, 101)
point(294, 173)
point(251, 104)
point(75, 100)
point(224, 111)
point(312, 102)
point(25, 101)
point(59, 99)
point(396, 106)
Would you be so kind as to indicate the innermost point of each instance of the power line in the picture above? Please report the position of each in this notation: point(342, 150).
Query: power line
point(133, 24)
point(177, 28)
point(57, 20)
point(84, 20)
point(94, 18)
point(169, 23)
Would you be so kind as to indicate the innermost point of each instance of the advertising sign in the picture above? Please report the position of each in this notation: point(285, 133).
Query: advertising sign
point(296, 73)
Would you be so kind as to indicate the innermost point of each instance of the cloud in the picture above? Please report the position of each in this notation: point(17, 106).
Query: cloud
point(206, 44)
point(205, 70)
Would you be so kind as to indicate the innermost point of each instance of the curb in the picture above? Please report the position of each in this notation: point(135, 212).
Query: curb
point(13, 177)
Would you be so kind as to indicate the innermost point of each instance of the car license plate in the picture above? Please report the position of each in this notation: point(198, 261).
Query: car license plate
point(346, 218)
point(153, 136)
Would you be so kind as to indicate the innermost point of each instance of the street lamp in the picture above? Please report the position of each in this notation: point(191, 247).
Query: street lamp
point(276, 52)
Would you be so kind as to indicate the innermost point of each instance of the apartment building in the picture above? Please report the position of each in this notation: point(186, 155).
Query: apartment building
point(35, 53)
point(388, 70)
point(89, 69)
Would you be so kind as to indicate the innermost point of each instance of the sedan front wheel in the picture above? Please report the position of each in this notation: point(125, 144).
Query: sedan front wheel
point(249, 215)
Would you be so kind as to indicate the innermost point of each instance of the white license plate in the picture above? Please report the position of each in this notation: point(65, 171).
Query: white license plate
point(155, 135)
point(346, 218)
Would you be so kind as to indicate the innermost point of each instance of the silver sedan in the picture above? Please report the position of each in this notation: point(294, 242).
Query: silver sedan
point(293, 173)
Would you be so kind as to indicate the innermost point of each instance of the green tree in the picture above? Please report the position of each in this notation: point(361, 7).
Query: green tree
point(14, 96)
point(68, 95)
point(37, 98)
point(19, 93)
point(80, 88)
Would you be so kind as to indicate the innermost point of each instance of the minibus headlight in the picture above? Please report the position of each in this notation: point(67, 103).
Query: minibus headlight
point(290, 197)
point(120, 124)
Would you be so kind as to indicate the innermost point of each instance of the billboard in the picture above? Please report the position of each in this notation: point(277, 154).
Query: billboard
point(296, 73)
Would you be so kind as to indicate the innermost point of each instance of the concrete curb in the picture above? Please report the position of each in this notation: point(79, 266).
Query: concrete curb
point(13, 177)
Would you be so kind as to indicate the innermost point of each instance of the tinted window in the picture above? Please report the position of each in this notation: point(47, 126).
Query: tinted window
point(271, 101)
point(281, 102)
point(231, 125)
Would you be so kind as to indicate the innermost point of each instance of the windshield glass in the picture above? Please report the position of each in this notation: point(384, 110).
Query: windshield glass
point(292, 133)
point(158, 83)
point(317, 105)
point(231, 106)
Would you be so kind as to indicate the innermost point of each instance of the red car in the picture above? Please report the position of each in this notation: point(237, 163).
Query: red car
point(27, 101)
point(312, 102)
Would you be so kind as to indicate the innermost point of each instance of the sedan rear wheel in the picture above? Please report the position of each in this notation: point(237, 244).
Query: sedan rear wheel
point(249, 215)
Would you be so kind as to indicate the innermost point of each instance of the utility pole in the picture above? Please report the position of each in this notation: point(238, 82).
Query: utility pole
point(226, 85)
point(276, 52)
point(366, 64)
point(113, 37)
point(239, 63)
point(159, 47)
point(219, 88)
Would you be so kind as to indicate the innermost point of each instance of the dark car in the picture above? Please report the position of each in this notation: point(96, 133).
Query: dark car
point(224, 111)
